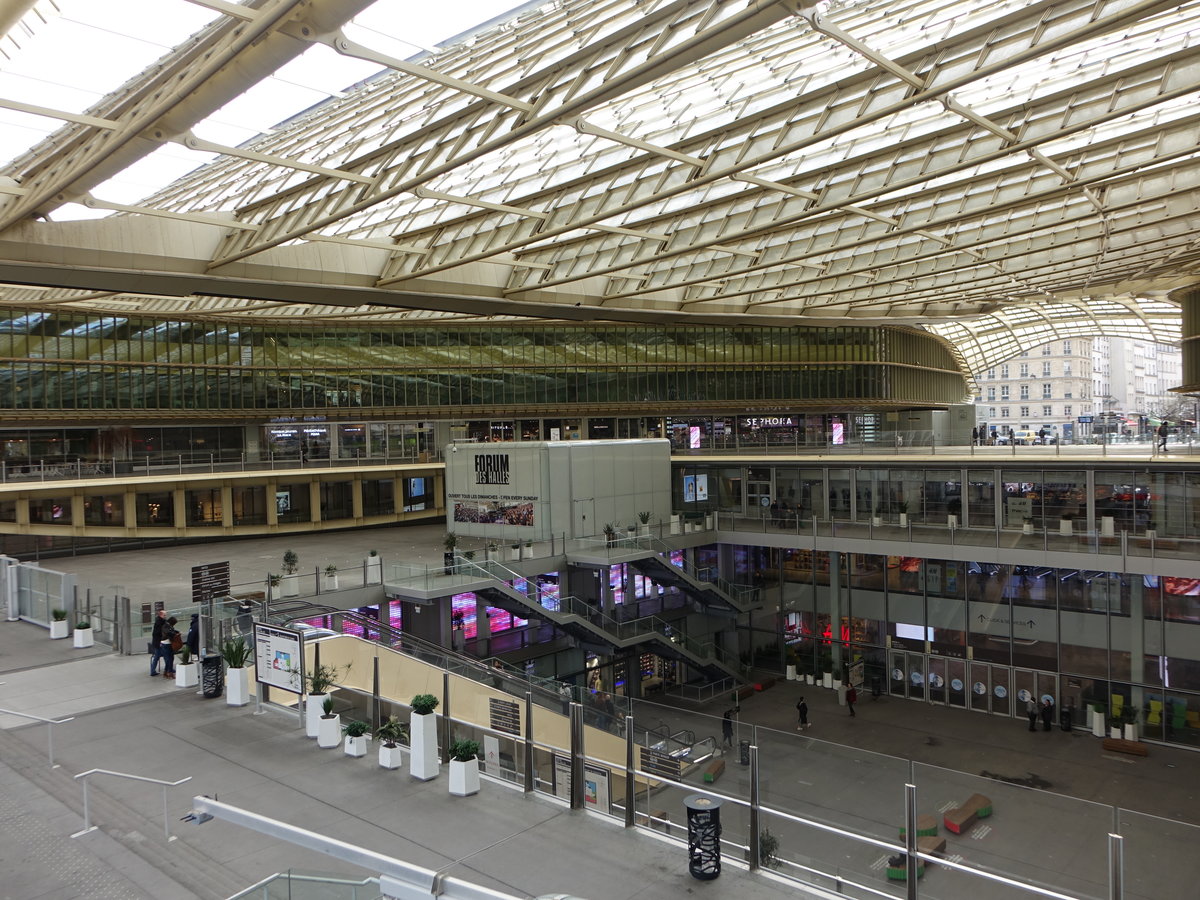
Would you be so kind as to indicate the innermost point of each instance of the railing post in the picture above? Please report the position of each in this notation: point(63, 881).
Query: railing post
point(446, 724)
point(910, 841)
point(1116, 867)
point(87, 817)
point(576, 756)
point(630, 787)
point(529, 742)
point(755, 838)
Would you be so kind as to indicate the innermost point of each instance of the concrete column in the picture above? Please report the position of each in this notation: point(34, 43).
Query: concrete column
point(179, 500)
point(226, 505)
point(272, 509)
point(835, 609)
point(314, 500)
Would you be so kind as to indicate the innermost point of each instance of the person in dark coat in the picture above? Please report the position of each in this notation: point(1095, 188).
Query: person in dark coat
point(851, 699)
point(193, 635)
point(156, 636)
point(802, 713)
point(1047, 715)
point(727, 728)
point(1031, 711)
point(166, 648)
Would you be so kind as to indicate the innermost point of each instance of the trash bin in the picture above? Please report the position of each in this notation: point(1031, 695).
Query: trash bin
point(212, 675)
point(1065, 715)
point(704, 836)
point(744, 752)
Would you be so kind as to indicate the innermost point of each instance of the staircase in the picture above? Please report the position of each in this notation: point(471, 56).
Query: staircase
point(593, 626)
point(719, 596)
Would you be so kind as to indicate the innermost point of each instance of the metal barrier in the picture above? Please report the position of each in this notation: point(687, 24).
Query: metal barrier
point(87, 818)
point(50, 723)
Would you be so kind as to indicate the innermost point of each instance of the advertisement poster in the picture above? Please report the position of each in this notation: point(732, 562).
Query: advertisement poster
point(596, 789)
point(278, 657)
point(839, 432)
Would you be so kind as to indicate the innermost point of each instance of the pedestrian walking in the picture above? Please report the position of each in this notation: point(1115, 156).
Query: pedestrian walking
point(1163, 432)
point(802, 714)
point(727, 728)
point(851, 699)
point(171, 641)
point(1031, 711)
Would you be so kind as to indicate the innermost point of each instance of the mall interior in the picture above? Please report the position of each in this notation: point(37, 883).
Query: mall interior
point(670, 330)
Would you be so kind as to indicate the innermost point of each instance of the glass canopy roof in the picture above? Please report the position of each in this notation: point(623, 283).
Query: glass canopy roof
point(1003, 173)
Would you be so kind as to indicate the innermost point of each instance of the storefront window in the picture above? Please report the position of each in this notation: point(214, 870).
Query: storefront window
point(378, 496)
point(50, 511)
point(250, 505)
point(156, 509)
point(203, 507)
point(292, 503)
point(336, 500)
point(104, 509)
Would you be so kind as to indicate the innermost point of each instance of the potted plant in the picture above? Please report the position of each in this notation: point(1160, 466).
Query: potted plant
point(514, 552)
point(877, 516)
point(1151, 530)
point(83, 637)
point(464, 768)
point(391, 734)
point(491, 550)
point(374, 568)
point(356, 736)
point(610, 532)
point(768, 850)
point(644, 522)
point(449, 542)
point(331, 579)
point(1027, 525)
point(422, 731)
point(237, 688)
point(187, 670)
point(273, 582)
point(902, 509)
point(1114, 726)
point(1129, 723)
point(529, 549)
point(1066, 525)
point(58, 624)
point(291, 562)
point(1099, 714)
point(329, 735)
point(317, 684)
point(468, 555)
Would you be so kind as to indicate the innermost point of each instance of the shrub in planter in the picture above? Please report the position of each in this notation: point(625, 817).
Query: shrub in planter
point(330, 733)
point(84, 637)
point(317, 684)
point(236, 654)
point(391, 735)
point(425, 763)
point(187, 671)
point(356, 736)
point(58, 624)
point(464, 768)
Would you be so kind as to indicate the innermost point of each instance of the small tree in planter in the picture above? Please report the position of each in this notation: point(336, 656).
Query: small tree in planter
point(84, 637)
point(902, 509)
point(644, 521)
point(291, 562)
point(449, 542)
point(329, 734)
point(374, 568)
point(58, 624)
point(464, 768)
point(515, 550)
point(356, 737)
point(331, 579)
point(422, 730)
point(317, 684)
point(187, 671)
point(236, 654)
point(391, 735)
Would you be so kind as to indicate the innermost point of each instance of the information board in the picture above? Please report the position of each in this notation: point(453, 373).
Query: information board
point(279, 657)
point(210, 580)
point(662, 765)
point(504, 715)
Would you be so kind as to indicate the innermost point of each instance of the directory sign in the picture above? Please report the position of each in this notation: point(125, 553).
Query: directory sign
point(279, 657)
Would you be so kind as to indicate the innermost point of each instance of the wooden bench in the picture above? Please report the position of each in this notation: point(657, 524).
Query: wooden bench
point(960, 819)
point(1118, 745)
point(933, 846)
point(744, 692)
point(765, 683)
point(714, 770)
point(927, 826)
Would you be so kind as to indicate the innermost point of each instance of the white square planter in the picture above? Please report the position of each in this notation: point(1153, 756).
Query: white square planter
point(313, 710)
point(187, 676)
point(329, 734)
point(58, 630)
point(827, 680)
point(1131, 731)
point(237, 687)
point(1107, 526)
point(374, 570)
point(84, 638)
point(330, 582)
point(1098, 724)
point(464, 778)
point(390, 757)
point(425, 764)
point(1066, 527)
point(791, 673)
point(357, 746)
point(289, 586)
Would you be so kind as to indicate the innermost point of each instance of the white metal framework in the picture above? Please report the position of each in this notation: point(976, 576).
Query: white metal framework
point(1003, 172)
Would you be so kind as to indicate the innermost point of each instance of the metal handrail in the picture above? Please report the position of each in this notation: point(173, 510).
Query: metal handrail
point(87, 819)
point(50, 723)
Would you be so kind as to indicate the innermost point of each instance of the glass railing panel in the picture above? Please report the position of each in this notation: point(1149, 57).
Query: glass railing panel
point(1159, 856)
point(1010, 829)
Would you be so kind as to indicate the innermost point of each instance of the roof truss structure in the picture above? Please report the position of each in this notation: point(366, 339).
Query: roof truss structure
point(1004, 173)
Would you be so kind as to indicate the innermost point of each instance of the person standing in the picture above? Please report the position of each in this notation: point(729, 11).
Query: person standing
point(851, 699)
point(193, 635)
point(1032, 712)
point(802, 714)
point(1047, 715)
point(1163, 432)
point(156, 635)
point(727, 728)
point(171, 641)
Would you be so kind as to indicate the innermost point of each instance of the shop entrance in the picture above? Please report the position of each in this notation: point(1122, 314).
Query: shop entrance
point(979, 686)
